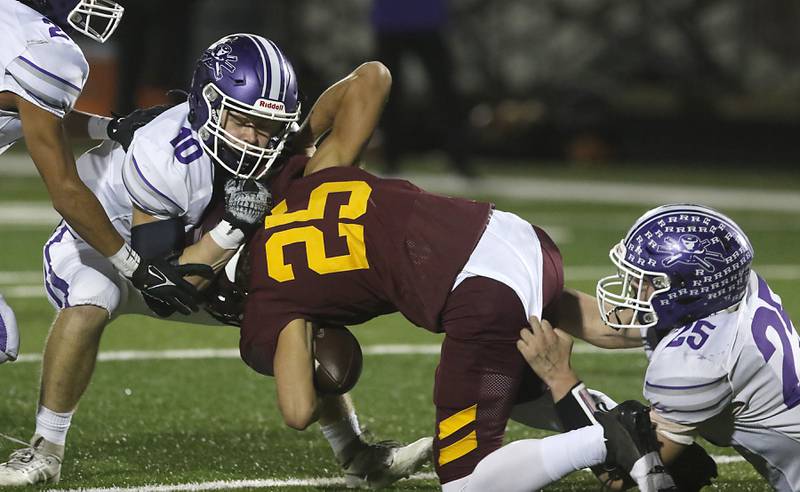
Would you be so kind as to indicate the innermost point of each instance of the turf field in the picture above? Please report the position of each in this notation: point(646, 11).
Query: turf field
point(162, 411)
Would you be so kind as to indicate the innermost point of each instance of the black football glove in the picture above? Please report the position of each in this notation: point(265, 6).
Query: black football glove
point(163, 282)
point(122, 128)
point(247, 202)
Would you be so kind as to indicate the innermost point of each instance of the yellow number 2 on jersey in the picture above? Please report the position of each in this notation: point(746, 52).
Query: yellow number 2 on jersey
point(312, 237)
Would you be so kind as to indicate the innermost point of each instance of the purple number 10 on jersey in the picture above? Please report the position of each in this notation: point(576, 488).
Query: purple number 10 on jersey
point(187, 148)
point(776, 319)
point(55, 31)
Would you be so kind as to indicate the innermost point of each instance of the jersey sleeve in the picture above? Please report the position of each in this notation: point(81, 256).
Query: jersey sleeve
point(687, 388)
point(154, 183)
point(49, 75)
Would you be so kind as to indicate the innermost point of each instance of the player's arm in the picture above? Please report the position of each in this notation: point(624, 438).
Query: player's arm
point(81, 125)
point(578, 315)
point(670, 450)
point(294, 375)
point(52, 155)
point(688, 463)
point(350, 110)
point(154, 237)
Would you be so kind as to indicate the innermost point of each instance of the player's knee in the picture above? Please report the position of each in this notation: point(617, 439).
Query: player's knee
point(82, 320)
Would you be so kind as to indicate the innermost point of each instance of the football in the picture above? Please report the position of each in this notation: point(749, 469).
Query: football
point(337, 357)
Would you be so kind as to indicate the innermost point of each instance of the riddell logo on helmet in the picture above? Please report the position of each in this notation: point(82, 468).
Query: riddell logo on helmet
point(271, 105)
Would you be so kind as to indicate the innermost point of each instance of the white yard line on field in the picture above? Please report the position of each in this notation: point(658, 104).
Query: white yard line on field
point(210, 353)
point(26, 284)
point(28, 213)
point(583, 191)
point(240, 484)
point(289, 482)
point(17, 278)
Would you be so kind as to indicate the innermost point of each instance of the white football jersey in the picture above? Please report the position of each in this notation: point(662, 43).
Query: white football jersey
point(39, 63)
point(734, 379)
point(164, 173)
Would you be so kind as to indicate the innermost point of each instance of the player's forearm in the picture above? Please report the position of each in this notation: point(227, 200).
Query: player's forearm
point(578, 315)
point(294, 376)
point(669, 450)
point(561, 384)
point(350, 109)
point(71, 198)
point(206, 251)
point(86, 126)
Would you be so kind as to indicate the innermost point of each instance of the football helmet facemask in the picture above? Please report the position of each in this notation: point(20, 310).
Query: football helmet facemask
point(97, 19)
point(678, 263)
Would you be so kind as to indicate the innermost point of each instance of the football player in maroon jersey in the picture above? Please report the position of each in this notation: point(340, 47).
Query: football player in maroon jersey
point(344, 246)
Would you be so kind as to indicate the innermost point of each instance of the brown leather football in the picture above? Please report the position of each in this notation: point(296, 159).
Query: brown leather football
point(338, 359)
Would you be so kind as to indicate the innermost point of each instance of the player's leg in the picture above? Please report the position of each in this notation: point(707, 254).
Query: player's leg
point(479, 374)
point(624, 436)
point(366, 463)
point(9, 334)
point(81, 284)
point(530, 464)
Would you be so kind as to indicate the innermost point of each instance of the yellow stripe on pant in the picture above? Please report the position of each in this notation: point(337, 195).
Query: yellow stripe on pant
point(458, 448)
point(464, 445)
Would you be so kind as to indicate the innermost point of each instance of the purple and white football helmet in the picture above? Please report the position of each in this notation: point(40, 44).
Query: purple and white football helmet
point(249, 75)
point(678, 263)
point(97, 19)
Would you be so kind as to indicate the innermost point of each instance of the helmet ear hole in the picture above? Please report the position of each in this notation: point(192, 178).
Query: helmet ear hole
point(661, 283)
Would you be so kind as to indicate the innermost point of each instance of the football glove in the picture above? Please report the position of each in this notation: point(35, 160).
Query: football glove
point(247, 202)
point(164, 288)
point(122, 128)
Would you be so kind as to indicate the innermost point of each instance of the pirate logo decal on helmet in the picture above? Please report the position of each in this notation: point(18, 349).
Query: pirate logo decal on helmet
point(220, 57)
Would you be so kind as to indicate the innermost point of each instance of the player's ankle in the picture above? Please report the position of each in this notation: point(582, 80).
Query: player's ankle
point(53, 426)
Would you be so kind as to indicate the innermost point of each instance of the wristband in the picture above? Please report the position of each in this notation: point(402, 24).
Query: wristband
point(126, 260)
point(227, 236)
point(98, 127)
point(576, 409)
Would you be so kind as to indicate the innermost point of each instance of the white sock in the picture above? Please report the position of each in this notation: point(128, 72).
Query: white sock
point(342, 433)
point(53, 426)
point(531, 464)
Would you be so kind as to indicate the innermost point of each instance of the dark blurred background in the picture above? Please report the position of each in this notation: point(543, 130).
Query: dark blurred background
point(578, 80)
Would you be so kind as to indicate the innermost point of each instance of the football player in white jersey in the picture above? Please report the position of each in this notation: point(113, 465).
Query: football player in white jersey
point(724, 355)
point(43, 73)
point(161, 195)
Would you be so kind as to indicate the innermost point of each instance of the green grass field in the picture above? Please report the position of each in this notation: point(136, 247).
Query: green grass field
point(166, 421)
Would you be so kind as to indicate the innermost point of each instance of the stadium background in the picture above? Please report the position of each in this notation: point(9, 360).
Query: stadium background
point(581, 114)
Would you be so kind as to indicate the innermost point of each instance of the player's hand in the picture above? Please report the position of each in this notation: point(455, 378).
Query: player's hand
point(547, 350)
point(247, 202)
point(163, 283)
point(122, 128)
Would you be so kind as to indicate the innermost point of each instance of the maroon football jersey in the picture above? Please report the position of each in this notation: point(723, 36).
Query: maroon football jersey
point(344, 246)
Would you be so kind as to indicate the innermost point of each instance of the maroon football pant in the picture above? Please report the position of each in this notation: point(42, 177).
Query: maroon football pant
point(480, 376)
